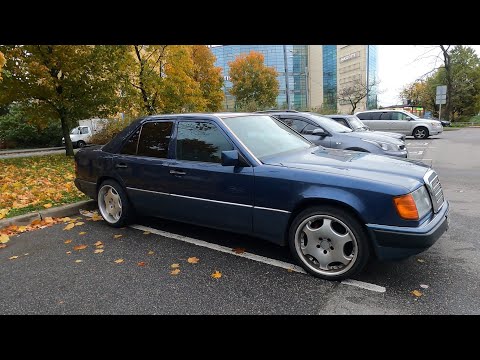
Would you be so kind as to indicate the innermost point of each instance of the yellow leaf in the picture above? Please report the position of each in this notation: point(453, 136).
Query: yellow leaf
point(174, 266)
point(98, 243)
point(69, 252)
point(217, 274)
point(193, 260)
point(47, 206)
point(69, 226)
point(119, 261)
point(82, 233)
point(4, 239)
point(117, 236)
point(67, 241)
point(13, 257)
point(3, 212)
point(98, 251)
point(151, 252)
point(65, 219)
point(175, 272)
point(416, 293)
point(290, 270)
point(97, 217)
point(420, 260)
point(79, 223)
point(22, 229)
point(78, 261)
point(49, 220)
point(38, 221)
point(238, 250)
point(80, 247)
point(146, 232)
point(2, 246)
point(99, 246)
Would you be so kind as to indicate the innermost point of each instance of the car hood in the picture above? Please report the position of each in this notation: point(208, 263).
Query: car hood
point(376, 168)
point(374, 136)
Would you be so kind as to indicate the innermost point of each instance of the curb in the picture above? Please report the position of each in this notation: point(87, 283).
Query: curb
point(59, 211)
point(10, 152)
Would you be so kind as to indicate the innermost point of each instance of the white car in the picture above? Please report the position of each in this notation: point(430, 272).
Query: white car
point(400, 121)
point(80, 136)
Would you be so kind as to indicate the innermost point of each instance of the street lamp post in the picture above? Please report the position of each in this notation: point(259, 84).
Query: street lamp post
point(287, 87)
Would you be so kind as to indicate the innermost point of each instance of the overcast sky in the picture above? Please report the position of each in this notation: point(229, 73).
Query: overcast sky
point(399, 65)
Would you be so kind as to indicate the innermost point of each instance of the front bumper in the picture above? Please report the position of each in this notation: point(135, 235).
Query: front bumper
point(400, 154)
point(396, 242)
point(436, 131)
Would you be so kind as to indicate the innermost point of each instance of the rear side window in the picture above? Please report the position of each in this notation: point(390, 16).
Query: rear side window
point(341, 121)
point(297, 125)
point(364, 116)
point(200, 141)
point(154, 139)
point(130, 147)
point(386, 116)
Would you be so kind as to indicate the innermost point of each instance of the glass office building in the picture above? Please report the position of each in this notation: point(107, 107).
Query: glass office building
point(329, 53)
point(372, 76)
point(290, 62)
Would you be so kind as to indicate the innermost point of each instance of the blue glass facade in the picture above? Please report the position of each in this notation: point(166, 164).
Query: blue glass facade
point(294, 70)
point(329, 53)
point(372, 76)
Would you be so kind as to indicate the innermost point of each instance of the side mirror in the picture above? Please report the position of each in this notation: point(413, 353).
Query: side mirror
point(319, 132)
point(230, 158)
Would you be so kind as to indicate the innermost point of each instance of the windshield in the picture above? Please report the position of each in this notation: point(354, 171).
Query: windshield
point(356, 123)
point(330, 125)
point(265, 136)
point(75, 131)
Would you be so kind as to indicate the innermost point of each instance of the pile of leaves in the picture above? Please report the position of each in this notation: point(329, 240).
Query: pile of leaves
point(32, 183)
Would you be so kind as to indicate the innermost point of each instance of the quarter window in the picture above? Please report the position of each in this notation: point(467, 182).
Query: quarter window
point(386, 116)
point(399, 116)
point(297, 125)
point(200, 141)
point(364, 116)
point(154, 139)
point(130, 147)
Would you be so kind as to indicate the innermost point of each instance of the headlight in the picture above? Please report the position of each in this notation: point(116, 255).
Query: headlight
point(413, 206)
point(436, 123)
point(383, 145)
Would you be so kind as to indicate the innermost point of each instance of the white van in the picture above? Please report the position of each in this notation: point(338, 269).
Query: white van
point(82, 135)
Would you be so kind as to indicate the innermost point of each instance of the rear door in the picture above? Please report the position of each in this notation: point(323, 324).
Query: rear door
point(371, 119)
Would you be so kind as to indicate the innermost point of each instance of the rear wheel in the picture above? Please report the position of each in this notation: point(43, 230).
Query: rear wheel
point(81, 144)
point(328, 242)
point(420, 133)
point(113, 203)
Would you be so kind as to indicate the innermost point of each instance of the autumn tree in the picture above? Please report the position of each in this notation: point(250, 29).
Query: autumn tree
point(2, 62)
point(253, 82)
point(208, 76)
point(63, 82)
point(354, 92)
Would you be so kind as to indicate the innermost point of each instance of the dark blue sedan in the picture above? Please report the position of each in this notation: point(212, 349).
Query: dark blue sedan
point(251, 174)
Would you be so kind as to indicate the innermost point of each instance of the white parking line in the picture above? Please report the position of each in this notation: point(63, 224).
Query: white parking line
point(247, 255)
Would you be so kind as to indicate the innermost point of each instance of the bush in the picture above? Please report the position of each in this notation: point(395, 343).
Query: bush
point(111, 129)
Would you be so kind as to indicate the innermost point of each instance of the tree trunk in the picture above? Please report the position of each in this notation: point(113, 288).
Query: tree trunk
point(66, 135)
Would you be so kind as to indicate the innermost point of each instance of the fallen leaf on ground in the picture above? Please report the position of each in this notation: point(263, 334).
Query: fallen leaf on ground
point(118, 261)
point(4, 239)
point(416, 293)
point(22, 229)
point(67, 241)
point(2, 246)
point(99, 246)
point(26, 254)
point(151, 252)
point(97, 217)
point(79, 223)
point(175, 266)
point(290, 270)
point(82, 233)
point(13, 257)
point(65, 219)
point(423, 286)
point(78, 261)
point(79, 247)
point(98, 243)
point(217, 274)
point(48, 220)
point(193, 260)
point(175, 272)
point(47, 206)
point(35, 222)
point(98, 251)
point(420, 260)
point(142, 263)
point(238, 250)
point(146, 232)
point(69, 252)
point(117, 236)
point(69, 226)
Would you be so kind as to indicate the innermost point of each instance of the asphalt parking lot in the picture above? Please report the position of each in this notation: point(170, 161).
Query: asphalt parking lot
point(50, 281)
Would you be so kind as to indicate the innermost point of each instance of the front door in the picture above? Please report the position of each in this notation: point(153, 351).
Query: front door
point(142, 166)
point(399, 123)
point(204, 191)
point(324, 140)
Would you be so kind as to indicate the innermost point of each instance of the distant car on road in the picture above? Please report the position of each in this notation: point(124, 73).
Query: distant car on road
point(400, 121)
point(354, 123)
point(251, 174)
point(326, 132)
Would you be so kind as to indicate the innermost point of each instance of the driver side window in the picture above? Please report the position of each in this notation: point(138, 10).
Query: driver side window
point(309, 129)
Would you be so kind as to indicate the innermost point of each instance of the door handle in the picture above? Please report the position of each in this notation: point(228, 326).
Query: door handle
point(121, 166)
point(176, 172)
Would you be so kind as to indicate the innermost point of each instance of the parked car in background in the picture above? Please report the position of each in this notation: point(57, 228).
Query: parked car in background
point(400, 121)
point(82, 134)
point(428, 115)
point(251, 174)
point(355, 124)
point(326, 132)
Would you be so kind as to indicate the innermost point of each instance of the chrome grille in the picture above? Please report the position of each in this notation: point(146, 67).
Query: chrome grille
point(435, 189)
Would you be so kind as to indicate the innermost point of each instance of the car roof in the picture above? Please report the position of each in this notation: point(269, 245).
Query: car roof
point(197, 115)
point(340, 115)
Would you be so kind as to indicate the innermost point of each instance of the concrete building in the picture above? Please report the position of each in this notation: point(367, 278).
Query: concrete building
point(315, 73)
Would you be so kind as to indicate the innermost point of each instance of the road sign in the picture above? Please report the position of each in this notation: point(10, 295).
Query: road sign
point(442, 90)
point(441, 99)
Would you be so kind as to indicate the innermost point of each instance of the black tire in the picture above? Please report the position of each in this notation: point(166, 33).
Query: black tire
point(420, 132)
point(353, 227)
point(81, 144)
point(127, 211)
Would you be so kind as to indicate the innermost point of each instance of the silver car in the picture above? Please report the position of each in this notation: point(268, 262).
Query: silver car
point(400, 121)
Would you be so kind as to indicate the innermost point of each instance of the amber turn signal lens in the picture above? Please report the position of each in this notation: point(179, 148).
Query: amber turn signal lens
point(406, 207)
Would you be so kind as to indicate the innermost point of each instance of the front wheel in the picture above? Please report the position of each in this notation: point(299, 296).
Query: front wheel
point(113, 203)
point(420, 133)
point(328, 242)
point(81, 144)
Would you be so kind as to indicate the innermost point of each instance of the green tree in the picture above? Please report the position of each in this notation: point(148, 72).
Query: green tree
point(62, 82)
point(208, 76)
point(253, 82)
point(2, 62)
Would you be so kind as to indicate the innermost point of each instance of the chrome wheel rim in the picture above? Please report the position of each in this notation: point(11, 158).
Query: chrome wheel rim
point(326, 245)
point(110, 204)
point(420, 133)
